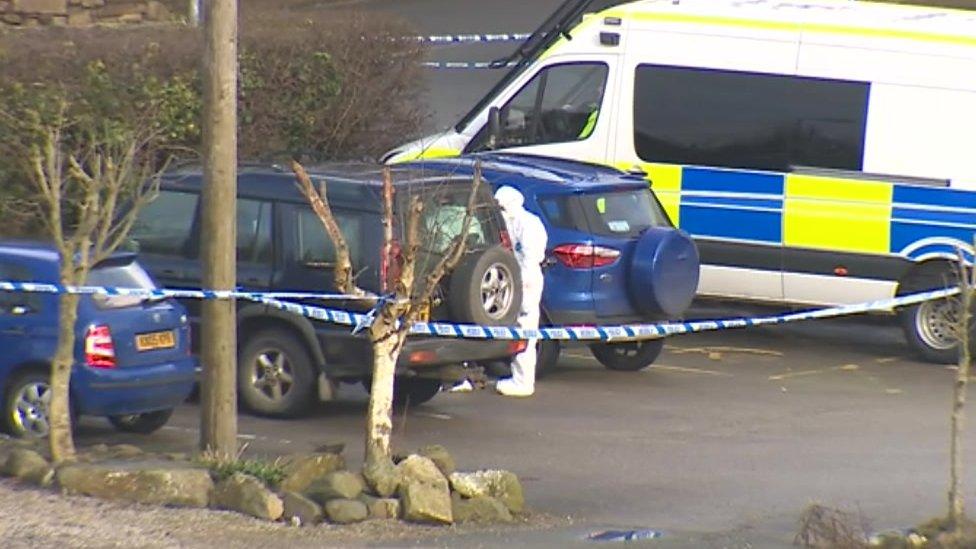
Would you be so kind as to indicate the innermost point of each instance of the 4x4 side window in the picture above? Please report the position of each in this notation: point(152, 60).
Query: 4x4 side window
point(747, 120)
point(165, 224)
point(315, 248)
point(253, 231)
point(17, 303)
point(560, 104)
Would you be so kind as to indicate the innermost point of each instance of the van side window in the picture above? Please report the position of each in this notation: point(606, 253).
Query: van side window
point(560, 104)
point(253, 230)
point(748, 120)
point(315, 248)
point(165, 224)
point(17, 303)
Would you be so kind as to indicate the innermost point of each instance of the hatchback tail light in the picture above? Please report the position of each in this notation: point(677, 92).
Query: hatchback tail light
point(99, 348)
point(585, 256)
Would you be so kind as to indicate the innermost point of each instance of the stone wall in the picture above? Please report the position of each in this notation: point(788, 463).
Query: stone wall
point(33, 13)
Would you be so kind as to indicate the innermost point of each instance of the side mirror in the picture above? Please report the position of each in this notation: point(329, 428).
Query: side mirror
point(494, 127)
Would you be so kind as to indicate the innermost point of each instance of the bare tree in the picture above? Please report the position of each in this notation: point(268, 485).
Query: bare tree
point(91, 180)
point(966, 277)
point(409, 295)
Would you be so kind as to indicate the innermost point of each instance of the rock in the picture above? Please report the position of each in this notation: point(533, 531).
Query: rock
point(177, 456)
point(41, 6)
point(160, 484)
point(28, 465)
point(381, 508)
point(345, 511)
point(382, 477)
point(99, 448)
point(299, 506)
point(503, 485)
point(248, 495)
point(426, 503)
point(440, 456)
point(479, 509)
point(125, 451)
point(335, 485)
point(302, 471)
point(419, 469)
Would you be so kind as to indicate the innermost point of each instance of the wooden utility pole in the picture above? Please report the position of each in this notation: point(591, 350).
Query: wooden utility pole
point(218, 429)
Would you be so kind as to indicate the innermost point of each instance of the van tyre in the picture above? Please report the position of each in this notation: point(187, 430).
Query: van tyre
point(143, 424)
point(486, 289)
point(275, 375)
point(929, 326)
point(628, 357)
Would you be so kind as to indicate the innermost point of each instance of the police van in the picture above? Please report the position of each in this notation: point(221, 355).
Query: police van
point(820, 152)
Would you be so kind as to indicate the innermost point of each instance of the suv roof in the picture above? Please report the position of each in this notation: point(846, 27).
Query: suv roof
point(352, 182)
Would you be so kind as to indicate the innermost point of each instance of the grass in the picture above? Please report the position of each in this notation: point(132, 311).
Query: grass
point(269, 472)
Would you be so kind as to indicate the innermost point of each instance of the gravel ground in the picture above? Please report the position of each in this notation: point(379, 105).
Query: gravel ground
point(34, 518)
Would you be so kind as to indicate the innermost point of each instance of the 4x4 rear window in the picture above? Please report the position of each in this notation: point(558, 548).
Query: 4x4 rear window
point(612, 213)
point(316, 249)
point(443, 220)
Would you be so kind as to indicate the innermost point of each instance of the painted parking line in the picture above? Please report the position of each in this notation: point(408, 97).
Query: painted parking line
point(242, 436)
point(686, 370)
point(722, 349)
point(806, 373)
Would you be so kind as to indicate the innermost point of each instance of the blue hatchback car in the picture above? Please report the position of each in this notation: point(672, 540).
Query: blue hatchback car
point(133, 362)
point(613, 255)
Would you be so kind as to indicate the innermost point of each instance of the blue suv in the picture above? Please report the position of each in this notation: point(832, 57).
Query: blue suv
point(133, 362)
point(613, 255)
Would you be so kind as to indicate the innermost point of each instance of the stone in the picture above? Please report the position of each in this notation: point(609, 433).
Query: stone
point(125, 451)
point(381, 508)
point(440, 456)
point(156, 11)
point(301, 471)
point(100, 448)
point(160, 484)
point(79, 18)
point(298, 506)
point(479, 509)
point(12, 18)
point(418, 469)
point(382, 477)
point(346, 511)
point(248, 495)
point(177, 456)
point(426, 503)
point(503, 485)
point(41, 6)
point(29, 466)
point(335, 485)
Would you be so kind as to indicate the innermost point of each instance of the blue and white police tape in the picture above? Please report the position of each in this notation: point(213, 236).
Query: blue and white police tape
point(471, 38)
point(37, 287)
point(465, 65)
point(628, 332)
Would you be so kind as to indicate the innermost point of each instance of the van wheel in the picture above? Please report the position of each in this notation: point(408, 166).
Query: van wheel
point(410, 391)
point(143, 424)
point(628, 357)
point(929, 327)
point(275, 375)
point(26, 404)
point(486, 289)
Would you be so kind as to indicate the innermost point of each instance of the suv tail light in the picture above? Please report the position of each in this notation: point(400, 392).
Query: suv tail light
point(99, 348)
point(506, 240)
point(585, 256)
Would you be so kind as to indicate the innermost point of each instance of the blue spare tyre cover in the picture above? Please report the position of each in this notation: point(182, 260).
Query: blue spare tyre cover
point(663, 272)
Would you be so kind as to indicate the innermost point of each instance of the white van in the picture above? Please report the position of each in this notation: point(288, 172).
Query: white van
point(820, 152)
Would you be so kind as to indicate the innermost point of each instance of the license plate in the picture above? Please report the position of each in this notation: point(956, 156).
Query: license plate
point(155, 340)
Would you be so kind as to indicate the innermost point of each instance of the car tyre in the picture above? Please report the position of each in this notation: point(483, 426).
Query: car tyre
point(409, 392)
point(275, 376)
point(929, 326)
point(548, 354)
point(486, 289)
point(628, 357)
point(143, 424)
point(25, 405)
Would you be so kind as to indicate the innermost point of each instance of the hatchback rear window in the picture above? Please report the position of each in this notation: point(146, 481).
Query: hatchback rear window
point(622, 213)
point(119, 275)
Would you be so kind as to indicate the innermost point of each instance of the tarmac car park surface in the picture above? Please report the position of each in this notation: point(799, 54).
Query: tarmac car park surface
point(721, 443)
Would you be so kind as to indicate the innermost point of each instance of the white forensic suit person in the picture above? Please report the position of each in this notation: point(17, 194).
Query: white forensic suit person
point(529, 240)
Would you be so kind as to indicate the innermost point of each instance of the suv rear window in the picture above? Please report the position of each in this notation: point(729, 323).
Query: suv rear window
point(120, 275)
point(443, 219)
point(611, 213)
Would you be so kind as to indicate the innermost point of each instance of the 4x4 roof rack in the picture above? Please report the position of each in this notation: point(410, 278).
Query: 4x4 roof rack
point(558, 24)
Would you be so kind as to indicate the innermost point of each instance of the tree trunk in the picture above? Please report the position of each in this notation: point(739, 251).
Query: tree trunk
point(956, 503)
point(59, 408)
point(379, 421)
point(218, 431)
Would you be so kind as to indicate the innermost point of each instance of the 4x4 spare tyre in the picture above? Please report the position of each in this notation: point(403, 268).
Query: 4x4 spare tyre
point(486, 288)
point(663, 272)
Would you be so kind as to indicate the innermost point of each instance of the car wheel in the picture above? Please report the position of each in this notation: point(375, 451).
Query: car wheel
point(930, 326)
point(143, 424)
point(409, 392)
point(486, 289)
point(628, 357)
point(275, 375)
point(548, 354)
point(25, 406)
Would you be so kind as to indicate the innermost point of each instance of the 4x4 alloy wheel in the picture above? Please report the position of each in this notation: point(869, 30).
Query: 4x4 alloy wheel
point(486, 289)
point(275, 375)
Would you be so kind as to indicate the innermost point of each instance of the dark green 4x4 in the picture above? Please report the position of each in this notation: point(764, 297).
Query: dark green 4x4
point(286, 360)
